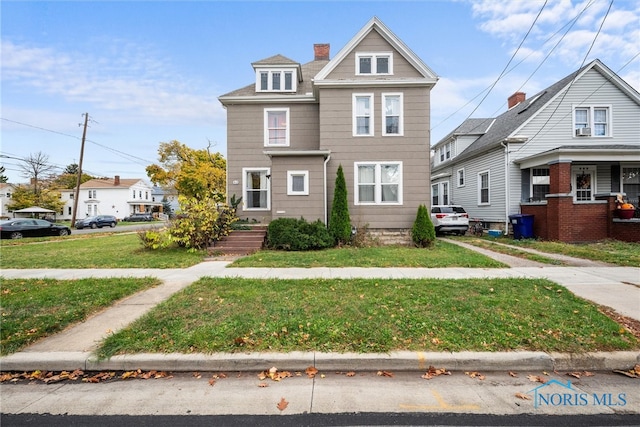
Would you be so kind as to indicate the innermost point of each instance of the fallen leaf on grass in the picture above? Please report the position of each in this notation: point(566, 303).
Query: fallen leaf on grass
point(474, 374)
point(282, 405)
point(523, 396)
point(385, 374)
point(433, 372)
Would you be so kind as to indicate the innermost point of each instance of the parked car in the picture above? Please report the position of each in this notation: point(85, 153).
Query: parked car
point(449, 219)
point(139, 217)
point(97, 221)
point(27, 227)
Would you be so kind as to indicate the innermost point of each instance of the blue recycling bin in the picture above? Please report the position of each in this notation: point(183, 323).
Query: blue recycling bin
point(522, 226)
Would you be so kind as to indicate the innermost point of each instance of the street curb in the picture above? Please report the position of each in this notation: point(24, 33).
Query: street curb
point(299, 361)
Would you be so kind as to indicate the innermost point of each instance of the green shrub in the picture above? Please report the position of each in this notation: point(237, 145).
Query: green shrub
point(292, 234)
point(154, 239)
point(201, 222)
point(339, 221)
point(423, 233)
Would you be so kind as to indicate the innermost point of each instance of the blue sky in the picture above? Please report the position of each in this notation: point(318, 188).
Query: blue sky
point(151, 71)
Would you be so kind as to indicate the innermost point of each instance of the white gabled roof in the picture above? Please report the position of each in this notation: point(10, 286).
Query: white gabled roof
point(391, 38)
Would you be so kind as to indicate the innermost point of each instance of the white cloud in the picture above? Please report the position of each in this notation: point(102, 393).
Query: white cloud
point(120, 77)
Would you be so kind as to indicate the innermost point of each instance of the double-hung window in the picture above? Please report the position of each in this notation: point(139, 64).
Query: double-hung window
point(461, 178)
point(440, 193)
point(374, 63)
point(631, 182)
point(592, 121)
point(256, 188)
point(378, 183)
point(363, 114)
point(276, 127)
point(483, 188)
point(540, 182)
point(392, 114)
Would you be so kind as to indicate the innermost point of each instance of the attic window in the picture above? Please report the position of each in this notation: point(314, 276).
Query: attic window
point(275, 81)
point(374, 63)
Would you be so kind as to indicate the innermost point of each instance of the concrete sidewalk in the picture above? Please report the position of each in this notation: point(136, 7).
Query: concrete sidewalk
point(615, 287)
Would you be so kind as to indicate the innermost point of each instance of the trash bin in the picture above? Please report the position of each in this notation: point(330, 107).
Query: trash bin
point(522, 226)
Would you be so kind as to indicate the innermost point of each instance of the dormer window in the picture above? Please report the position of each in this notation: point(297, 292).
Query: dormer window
point(374, 63)
point(276, 81)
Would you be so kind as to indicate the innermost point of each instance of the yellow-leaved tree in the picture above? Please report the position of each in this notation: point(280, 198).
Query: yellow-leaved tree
point(197, 174)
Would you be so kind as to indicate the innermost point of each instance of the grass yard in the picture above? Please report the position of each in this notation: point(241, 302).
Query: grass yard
point(625, 254)
point(106, 251)
point(442, 255)
point(371, 315)
point(35, 308)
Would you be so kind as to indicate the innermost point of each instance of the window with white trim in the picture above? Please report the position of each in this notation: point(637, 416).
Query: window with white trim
point(276, 81)
point(378, 183)
point(592, 121)
point(298, 183)
point(392, 113)
point(461, 178)
point(540, 183)
point(374, 63)
point(483, 188)
point(92, 194)
point(440, 193)
point(276, 127)
point(363, 114)
point(256, 189)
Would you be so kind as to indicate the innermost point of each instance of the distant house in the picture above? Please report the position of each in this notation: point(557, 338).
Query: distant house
point(561, 155)
point(107, 196)
point(6, 191)
point(366, 109)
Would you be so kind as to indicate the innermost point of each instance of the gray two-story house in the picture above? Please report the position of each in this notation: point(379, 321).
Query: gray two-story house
point(367, 109)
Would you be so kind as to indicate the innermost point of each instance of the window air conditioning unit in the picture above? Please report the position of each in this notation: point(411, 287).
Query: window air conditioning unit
point(583, 132)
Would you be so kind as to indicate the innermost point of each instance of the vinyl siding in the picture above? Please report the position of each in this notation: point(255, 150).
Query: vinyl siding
point(412, 150)
point(373, 42)
point(591, 89)
point(310, 207)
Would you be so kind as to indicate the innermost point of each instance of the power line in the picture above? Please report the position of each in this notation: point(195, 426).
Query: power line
point(127, 156)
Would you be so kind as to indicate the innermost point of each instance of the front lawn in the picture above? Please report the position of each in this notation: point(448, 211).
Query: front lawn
point(442, 255)
point(626, 254)
point(105, 251)
point(371, 315)
point(35, 308)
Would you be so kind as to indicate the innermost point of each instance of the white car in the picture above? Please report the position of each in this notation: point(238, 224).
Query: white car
point(449, 219)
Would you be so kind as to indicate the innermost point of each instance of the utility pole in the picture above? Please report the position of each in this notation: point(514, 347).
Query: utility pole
point(78, 181)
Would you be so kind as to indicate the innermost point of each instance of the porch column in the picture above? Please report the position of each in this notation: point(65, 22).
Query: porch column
point(559, 202)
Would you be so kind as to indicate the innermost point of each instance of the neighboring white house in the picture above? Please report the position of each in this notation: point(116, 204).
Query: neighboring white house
point(107, 196)
point(562, 155)
point(6, 191)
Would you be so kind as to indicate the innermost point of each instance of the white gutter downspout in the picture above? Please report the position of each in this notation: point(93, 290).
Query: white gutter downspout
point(325, 189)
point(506, 183)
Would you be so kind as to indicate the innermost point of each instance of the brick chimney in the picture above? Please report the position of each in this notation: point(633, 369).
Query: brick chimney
point(321, 51)
point(516, 98)
point(116, 180)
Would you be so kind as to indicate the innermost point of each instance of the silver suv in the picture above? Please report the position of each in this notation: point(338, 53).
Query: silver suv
point(449, 219)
